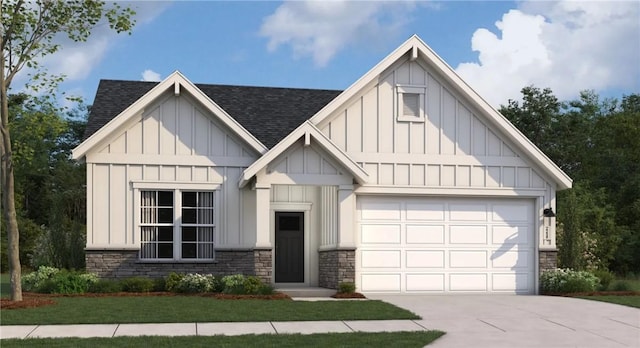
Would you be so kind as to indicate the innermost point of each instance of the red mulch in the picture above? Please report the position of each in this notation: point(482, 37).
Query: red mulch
point(348, 295)
point(33, 300)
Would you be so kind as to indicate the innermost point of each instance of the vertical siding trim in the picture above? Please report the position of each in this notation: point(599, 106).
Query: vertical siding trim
point(109, 204)
point(441, 116)
point(361, 101)
point(90, 196)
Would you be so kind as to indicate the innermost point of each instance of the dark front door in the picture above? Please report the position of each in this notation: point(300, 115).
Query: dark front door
point(289, 247)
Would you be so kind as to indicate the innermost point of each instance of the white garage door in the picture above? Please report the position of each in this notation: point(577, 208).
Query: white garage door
point(429, 245)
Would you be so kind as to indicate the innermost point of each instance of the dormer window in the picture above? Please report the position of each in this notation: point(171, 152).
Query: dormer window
point(411, 103)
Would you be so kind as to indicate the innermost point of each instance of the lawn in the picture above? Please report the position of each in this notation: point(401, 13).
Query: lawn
point(176, 309)
point(631, 301)
point(356, 339)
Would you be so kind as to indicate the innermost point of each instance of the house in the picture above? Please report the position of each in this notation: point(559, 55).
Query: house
point(406, 182)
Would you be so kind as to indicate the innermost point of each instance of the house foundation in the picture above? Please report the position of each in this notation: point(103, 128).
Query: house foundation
point(336, 266)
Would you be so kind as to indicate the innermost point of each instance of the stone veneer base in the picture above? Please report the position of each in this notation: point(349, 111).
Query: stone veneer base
point(125, 263)
point(548, 260)
point(336, 266)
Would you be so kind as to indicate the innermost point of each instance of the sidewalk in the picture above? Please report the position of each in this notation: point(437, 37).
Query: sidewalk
point(206, 329)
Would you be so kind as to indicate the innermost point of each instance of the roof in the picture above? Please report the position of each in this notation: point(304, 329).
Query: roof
point(269, 113)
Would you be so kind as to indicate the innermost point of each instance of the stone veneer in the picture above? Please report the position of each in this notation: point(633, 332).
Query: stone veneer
point(548, 260)
point(336, 266)
point(125, 263)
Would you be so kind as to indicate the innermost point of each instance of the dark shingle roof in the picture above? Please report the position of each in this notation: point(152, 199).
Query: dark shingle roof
point(268, 113)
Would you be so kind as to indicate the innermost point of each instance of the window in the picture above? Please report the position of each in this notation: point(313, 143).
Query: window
point(177, 225)
point(411, 103)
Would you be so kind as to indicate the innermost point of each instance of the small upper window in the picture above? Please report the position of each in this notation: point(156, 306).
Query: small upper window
point(411, 103)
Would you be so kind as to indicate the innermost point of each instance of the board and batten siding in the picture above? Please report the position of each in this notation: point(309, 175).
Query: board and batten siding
point(173, 142)
point(451, 147)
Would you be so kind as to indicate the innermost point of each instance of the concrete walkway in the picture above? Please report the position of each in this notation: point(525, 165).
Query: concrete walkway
point(206, 329)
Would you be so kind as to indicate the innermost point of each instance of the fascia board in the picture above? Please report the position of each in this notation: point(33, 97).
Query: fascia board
point(305, 128)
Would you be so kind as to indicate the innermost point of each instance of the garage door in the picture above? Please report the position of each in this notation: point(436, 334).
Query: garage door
point(428, 245)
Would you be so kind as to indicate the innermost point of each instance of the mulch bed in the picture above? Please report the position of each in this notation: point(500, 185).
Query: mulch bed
point(604, 293)
point(348, 295)
point(33, 300)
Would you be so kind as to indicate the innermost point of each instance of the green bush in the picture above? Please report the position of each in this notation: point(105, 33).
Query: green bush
point(172, 281)
point(34, 280)
point(346, 288)
point(137, 284)
point(233, 284)
point(159, 284)
point(621, 285)
point(196, 283)
point(106, 286)
point(252, 285)
point(266, 289)
point(605, 278)
point(564, 281)
point(67, 282)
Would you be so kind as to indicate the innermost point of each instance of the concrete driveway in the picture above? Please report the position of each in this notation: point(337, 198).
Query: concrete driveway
point(523, 321)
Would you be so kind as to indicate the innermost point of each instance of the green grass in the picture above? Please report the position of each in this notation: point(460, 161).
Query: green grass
point(631, 301)
point(356, 339)
point(175, 309)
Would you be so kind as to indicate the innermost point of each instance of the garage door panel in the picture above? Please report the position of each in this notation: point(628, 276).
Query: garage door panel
point(510, 281)
point(467, 282)
point(381, 258)
point(425, 234)
point(468, 259)
point(426, 282)
point(425, 258)
point(468, 212)
point(380, 234)
point(380, 282)
point(425, 211)
point(436, 245)
point(381, 210)
point(510, 235)
point(514, 259)
point(468, 234)
point(517, 212)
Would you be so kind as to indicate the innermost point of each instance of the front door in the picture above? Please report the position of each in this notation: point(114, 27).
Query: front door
point(289, 247)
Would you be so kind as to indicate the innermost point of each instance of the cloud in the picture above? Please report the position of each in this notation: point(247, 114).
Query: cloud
point(319, 29)
point(150, 75)
point(76, 60)
point(568, 46)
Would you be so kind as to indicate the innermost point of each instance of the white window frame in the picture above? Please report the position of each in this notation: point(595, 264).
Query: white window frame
point(421, 91)
point(177, 188)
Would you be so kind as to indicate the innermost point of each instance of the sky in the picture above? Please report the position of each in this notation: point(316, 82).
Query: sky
point(497, 47)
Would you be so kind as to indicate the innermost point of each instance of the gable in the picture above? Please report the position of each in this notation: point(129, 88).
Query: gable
point(454, 138)
point(176, 126)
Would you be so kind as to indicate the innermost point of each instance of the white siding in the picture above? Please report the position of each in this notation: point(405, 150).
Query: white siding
point(175, 141)
point(452, 147)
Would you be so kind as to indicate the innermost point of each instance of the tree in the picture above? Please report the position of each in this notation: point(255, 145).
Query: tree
point(28, 31)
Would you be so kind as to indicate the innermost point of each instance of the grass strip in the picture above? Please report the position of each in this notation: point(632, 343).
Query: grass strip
point(631, 301)
point(356, 339)
point(189, 309)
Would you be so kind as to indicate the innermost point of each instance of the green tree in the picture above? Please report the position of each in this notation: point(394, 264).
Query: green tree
point(27, 34)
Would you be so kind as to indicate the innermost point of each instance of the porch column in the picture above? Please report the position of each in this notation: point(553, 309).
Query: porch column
point(346, 212)
point(263, 239)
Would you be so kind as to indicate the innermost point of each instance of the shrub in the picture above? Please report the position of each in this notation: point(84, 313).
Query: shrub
point(137, 284)
point(233, 284)
point(34, 280)
point(621, 285)
point(605, 278)
point(194, 283)
point(159, 284)
point(172, 281)
point(106, 286)
point(346, 288)
point(563, 281)
point(266, 289)
point(252, 285)
point(67, 282)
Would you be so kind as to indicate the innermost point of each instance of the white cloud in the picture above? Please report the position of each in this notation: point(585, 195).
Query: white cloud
point(76, 60)
point(320, 29)
point(568, 46)
point(150, 75)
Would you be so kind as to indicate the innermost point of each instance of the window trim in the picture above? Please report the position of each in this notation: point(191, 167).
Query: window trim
point(421, 91)
point(177, 188)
